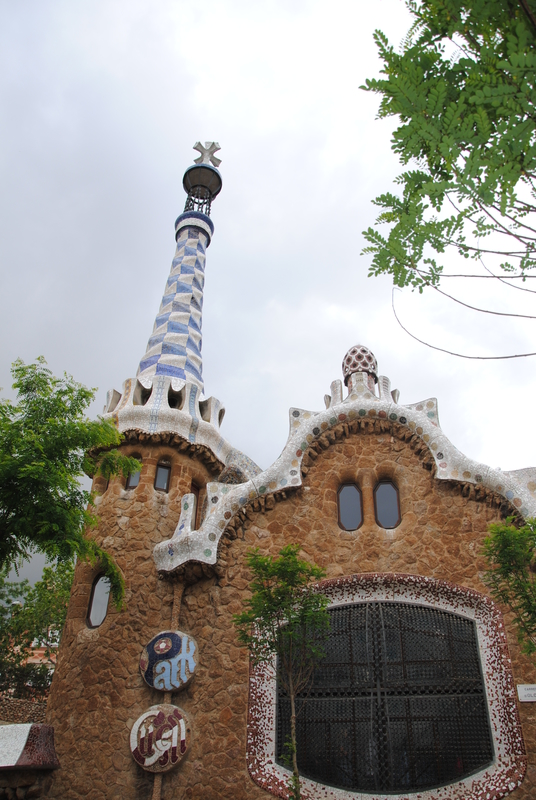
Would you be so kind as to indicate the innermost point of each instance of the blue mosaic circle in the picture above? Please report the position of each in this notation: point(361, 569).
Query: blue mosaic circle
point(169, 661)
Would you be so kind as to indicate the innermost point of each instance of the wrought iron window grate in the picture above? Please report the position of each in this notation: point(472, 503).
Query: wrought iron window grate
point(397, 705)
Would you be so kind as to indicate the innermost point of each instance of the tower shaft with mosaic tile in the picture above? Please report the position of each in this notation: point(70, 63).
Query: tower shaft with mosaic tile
point(174, 348)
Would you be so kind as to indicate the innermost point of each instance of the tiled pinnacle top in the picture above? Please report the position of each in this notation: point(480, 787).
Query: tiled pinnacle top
point(174, 348)
point(225, 501)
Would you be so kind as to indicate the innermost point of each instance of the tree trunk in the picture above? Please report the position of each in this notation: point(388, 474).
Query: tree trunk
point(295, 773)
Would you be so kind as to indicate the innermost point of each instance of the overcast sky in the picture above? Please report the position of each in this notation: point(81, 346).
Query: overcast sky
point(101, 102)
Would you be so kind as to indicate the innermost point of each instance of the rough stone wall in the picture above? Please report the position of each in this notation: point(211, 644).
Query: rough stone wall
point(440, 535)
point(17, 710)
point(97, 692)
point(24, 784)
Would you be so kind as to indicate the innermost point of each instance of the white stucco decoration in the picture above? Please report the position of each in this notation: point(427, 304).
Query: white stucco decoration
point(12, 742)
point(196, 420)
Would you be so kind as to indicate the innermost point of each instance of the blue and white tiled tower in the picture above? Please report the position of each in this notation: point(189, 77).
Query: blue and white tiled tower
point(174, 348)
point(167, 393)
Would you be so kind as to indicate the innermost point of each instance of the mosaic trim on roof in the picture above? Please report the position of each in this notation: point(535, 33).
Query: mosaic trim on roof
point(307, 427)
point(165, 404)
point(498, 780)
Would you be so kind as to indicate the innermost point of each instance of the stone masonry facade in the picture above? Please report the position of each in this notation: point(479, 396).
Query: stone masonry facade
point(98, 692)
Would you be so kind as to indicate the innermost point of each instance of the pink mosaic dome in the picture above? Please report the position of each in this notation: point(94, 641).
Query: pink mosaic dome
point(359, 359)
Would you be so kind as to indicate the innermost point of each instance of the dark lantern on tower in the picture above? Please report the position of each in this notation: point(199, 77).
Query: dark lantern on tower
point(202, 181)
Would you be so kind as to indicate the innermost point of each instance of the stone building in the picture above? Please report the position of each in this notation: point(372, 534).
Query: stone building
point(417, 695)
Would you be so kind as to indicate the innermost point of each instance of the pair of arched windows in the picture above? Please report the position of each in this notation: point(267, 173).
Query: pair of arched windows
point(161, 480)
point(386, 506)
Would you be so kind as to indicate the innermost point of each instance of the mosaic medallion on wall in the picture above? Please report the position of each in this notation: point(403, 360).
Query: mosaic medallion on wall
point(160, 738)
point(169, 661)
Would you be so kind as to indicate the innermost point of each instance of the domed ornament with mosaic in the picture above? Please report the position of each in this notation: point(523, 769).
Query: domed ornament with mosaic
point(360, 359)
point(169, 661)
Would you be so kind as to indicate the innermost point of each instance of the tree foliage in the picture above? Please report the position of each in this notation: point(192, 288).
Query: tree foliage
point(511, 556)
point(32, 617)
point(463, 87)
point(46, 445)
point(285, 619)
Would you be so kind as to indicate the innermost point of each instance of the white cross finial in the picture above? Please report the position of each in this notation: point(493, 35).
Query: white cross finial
point(207, 153)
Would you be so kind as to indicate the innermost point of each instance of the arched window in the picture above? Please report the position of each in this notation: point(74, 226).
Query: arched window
point(163, 474)
point(134, 478)
point(386, 505)
point(397, 705)
point(349, 507)
point(98, 602)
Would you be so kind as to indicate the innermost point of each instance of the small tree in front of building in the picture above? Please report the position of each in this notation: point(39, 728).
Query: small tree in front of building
point(31, 622)
point(285, 622)
point(511, 555)
point(47, 445)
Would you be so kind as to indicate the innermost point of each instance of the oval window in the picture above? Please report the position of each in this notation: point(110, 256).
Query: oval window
point(349, 507)
point(98, 603)
point(386, 505)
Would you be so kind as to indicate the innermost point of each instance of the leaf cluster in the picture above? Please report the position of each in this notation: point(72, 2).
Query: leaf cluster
point(284, 617)
point(511, 576)
point(463, 88)
point(46, 445)
point(32, 617)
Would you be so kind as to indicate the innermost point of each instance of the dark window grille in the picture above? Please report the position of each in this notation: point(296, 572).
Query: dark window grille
point(397, 705)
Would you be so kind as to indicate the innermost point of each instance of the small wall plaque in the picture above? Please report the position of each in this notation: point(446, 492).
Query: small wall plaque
point(160, 738)
point(526, 692)
point(169, 661)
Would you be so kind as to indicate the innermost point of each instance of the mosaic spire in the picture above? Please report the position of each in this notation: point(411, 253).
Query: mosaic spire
point(174, 348)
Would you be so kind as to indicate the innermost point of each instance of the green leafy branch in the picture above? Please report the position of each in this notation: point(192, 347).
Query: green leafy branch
point(285, 620)
point(511, 555)
point(32, 617)
point(46, 446)
point(464, 89)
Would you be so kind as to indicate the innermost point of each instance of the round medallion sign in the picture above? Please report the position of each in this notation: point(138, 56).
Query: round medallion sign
point(168, 662)
point(160, 738)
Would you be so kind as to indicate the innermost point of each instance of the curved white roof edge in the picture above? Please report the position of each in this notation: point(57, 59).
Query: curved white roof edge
point(225, 501)
point(145, 406)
